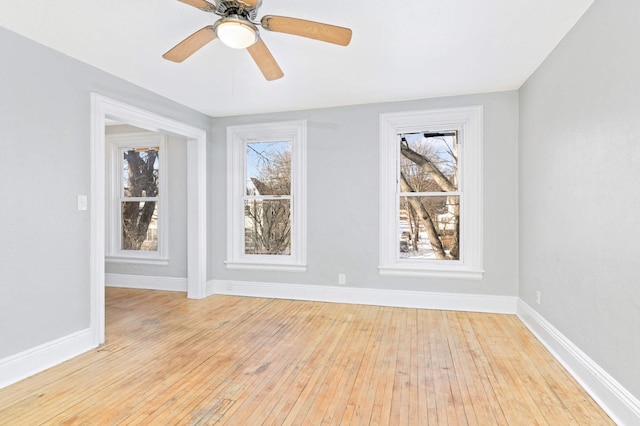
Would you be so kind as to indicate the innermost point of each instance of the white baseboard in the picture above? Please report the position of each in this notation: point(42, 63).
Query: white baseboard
point(146, 282)
point(39, 358)
point(617, 402)
point(367, 296)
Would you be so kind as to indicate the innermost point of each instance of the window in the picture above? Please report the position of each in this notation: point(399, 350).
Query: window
point(430, 189)
point(138, 202)
point(267, 196)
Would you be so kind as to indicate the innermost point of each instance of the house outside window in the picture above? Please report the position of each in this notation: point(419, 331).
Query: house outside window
point(137, 205)
point(266, 196)
point(430, 188)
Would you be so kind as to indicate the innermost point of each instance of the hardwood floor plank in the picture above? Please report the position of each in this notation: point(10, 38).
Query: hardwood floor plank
point(479, 398)
point(427, 406)
point(367, 386)
point(360, 401)
point(483, 373)
point(399, 409)
point(240, 361)
point(381, 414)
point(473, 402)
point(446, 384)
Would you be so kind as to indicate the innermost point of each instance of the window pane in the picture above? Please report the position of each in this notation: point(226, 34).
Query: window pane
point(140, 171)
point(429, 162)
point(268, 168)
point(267, 225)
point(429, 227)
point(140, 225)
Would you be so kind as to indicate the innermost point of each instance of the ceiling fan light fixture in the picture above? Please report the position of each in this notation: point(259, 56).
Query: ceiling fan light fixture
point(236, 32)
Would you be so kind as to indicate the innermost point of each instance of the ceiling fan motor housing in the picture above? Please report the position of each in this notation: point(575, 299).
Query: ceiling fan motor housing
point(238, 7)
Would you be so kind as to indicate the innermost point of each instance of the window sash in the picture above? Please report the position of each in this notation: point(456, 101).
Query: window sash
point(429, 194)
point(268, 197)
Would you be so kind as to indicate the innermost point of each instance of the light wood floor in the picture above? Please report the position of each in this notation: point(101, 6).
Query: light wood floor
point(249, 361)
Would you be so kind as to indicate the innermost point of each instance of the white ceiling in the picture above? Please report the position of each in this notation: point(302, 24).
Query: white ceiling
point(400, 50)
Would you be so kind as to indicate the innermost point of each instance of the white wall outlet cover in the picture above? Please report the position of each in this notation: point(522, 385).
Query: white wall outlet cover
point(82, 202)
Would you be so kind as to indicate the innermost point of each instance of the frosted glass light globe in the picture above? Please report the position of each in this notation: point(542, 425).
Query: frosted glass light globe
point(236, 32)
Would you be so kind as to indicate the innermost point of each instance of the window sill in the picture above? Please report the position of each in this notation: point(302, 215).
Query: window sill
point(137, 260)
point(405, 271)
point(257, 266)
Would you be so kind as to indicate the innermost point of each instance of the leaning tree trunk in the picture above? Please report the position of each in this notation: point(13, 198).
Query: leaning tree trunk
point(428, 167)
point(425, 217)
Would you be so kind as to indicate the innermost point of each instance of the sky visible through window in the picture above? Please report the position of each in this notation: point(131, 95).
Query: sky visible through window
point(261, 153)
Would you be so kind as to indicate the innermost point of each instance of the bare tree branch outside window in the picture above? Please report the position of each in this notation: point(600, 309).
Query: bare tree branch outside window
point(268, 198)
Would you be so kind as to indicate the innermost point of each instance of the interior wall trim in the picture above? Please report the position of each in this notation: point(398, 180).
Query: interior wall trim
point(367, 296)
point(34, 360)
point(614, 399)
point(146, 282)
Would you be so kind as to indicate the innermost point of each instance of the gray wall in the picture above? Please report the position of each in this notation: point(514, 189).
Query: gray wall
point(44, 148)
point(343, 190)
point(579, 188)
point(177, 196)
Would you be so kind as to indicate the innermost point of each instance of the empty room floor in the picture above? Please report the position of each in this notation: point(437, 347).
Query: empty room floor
point(253, 361)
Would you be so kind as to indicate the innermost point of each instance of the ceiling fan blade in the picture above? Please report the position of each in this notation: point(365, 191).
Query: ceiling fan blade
point(191, 44)
point(200, 4)
point(309, 29)
point(265, 60)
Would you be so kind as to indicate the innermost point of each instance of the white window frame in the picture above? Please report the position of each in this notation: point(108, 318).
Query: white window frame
point(237, 138)
point(467, 122)
point(115, 144)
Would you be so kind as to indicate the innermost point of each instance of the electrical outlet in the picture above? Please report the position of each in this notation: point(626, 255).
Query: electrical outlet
point(538, 296)
point(229, 286)
point(342, 279)
point(82, 202)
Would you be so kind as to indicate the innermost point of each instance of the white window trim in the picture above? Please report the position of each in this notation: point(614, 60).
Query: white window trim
point(468, 122)
point(237, 137)
point(113, 252)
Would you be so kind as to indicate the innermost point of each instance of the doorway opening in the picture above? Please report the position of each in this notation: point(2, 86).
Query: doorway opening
point(104, 109)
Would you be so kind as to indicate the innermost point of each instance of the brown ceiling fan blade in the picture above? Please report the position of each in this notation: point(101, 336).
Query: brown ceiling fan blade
point(200, 4)
point(265, 60)
point(191, 44)
point(309, 29)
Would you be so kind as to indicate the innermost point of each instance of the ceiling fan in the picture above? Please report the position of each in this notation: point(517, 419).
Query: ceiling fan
point(237, 29)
